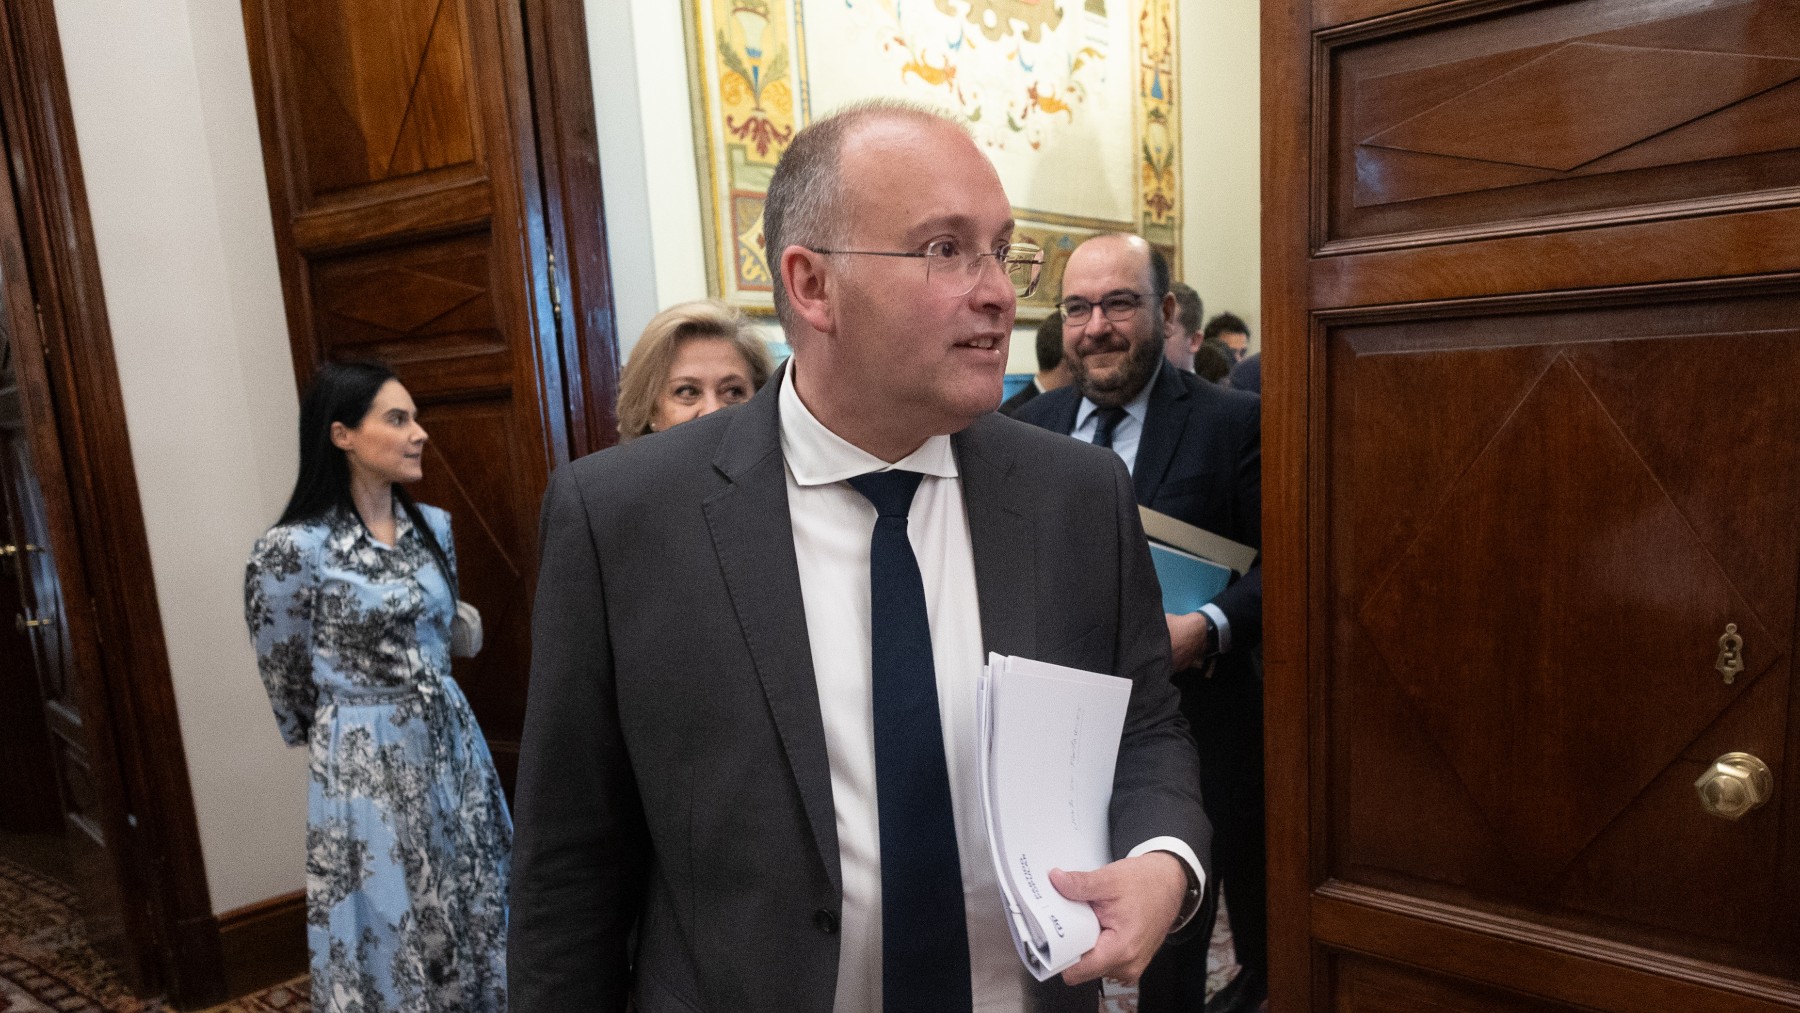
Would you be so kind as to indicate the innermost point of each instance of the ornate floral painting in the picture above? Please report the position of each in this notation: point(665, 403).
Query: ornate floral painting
point(1073, 100)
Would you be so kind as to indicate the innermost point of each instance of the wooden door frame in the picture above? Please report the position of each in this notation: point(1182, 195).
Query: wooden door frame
point(171, 924)
point(1287, 342)
point(575, 219)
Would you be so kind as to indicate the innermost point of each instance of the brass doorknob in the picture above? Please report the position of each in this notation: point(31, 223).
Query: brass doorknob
point(1735, 784)
point(22, 624)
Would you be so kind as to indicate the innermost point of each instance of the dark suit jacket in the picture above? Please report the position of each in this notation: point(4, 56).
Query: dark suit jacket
point(1247, 375)
point(1011, 405)
point(1199, 460)
point(673, 775)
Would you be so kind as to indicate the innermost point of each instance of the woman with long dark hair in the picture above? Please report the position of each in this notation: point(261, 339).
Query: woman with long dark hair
point(350, 600)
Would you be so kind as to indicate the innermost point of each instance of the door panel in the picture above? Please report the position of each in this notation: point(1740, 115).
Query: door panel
point(1360, 985)
point(1577, 523)
point(381, 91)
point(70, 691)
point(28, 798)
point(1558, 115)
point(1532, 436)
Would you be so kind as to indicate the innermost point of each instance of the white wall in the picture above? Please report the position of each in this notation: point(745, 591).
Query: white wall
point(166, 126)
point(647, 169)
point(652, 191)
point(1221, 145)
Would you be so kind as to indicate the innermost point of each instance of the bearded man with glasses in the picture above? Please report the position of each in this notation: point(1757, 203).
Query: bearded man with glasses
point(749, 777)
point(1195, 453)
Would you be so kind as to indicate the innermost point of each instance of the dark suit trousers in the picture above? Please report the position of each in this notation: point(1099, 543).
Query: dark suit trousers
point(1226, 715)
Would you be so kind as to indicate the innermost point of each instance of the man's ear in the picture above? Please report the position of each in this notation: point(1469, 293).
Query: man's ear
point(804, 275)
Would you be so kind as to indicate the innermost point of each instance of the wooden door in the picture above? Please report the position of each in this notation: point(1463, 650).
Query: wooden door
point(70, 685)
point(403, 170)
point(1532, 447)
point(29, 803)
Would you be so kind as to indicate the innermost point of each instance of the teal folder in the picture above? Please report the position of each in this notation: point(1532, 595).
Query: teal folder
point(1188, 581)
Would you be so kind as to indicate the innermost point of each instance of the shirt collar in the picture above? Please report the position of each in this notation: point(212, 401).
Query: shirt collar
point(1137, 407)
point(351, 532)
point(817, 456)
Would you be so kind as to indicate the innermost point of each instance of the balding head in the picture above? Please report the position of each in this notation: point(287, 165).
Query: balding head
point(805, 201)
point(1112, 360)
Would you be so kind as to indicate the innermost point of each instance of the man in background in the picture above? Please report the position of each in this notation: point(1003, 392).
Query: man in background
point(1184, 346)
point(1247, 374)
point(1194, 451)
point(1229, 330)
point(1052, 372)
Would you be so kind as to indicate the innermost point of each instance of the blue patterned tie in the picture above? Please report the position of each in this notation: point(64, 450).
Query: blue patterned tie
point(1105, 421)
point(924, 935)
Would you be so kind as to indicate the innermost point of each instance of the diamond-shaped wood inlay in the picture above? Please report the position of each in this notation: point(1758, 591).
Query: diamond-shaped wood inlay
point(380, 88)
point(1561, 110)
point(1542, 622)
point(400, 300)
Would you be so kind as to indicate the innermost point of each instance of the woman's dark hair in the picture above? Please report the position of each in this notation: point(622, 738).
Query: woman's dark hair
point(343, 392)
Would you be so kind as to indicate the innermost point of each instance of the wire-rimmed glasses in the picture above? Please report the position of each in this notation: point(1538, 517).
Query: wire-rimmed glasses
point(953, 269)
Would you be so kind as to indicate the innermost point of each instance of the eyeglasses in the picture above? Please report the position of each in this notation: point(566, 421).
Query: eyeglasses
point(952, 269)
point(1117, 307)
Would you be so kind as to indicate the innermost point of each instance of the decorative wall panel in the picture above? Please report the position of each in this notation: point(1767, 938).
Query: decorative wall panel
point(1075, 103)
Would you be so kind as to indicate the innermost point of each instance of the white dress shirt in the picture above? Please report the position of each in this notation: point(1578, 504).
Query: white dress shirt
point(833, 525)
point(1129, 430)
point(1126, 436)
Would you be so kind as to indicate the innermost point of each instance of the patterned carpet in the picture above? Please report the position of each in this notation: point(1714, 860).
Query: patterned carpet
point(47, 966)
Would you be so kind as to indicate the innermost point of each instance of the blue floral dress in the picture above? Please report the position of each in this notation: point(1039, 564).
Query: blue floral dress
point(408, 836)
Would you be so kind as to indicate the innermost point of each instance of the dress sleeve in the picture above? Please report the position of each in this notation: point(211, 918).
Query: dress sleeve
point(280, 588)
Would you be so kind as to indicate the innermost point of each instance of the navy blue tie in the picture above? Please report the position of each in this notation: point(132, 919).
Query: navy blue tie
point(1105, 421)
point(924, 935)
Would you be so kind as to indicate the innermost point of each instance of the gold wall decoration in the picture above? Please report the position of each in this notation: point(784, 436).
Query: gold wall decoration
point(1073, 100)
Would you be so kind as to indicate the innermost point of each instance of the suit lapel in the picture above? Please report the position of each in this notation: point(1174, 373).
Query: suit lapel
point(1001, 538)
point(754, 540)
point(1164, 420)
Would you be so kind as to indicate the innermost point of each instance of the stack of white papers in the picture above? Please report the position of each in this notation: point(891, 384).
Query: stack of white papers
point(1049, 742)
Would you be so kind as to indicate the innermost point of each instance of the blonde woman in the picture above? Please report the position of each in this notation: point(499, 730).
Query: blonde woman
point(692, 359)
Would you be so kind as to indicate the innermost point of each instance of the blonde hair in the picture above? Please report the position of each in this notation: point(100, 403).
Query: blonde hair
point(654, 356)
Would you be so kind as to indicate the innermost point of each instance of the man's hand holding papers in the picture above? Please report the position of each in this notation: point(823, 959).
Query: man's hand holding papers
point(1049, 742)
point(1136, 900)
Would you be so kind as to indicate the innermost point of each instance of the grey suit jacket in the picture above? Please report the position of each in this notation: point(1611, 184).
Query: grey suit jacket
point(675, 836)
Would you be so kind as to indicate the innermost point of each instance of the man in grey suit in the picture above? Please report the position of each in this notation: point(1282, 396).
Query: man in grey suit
point(747, 780)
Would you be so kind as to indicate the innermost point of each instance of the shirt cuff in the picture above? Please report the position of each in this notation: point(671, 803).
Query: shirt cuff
point(1190, 903)
point(1220, 623)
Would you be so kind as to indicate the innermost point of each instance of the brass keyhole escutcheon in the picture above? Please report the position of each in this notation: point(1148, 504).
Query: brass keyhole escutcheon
point(1731, 654)
point(1735, 784)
